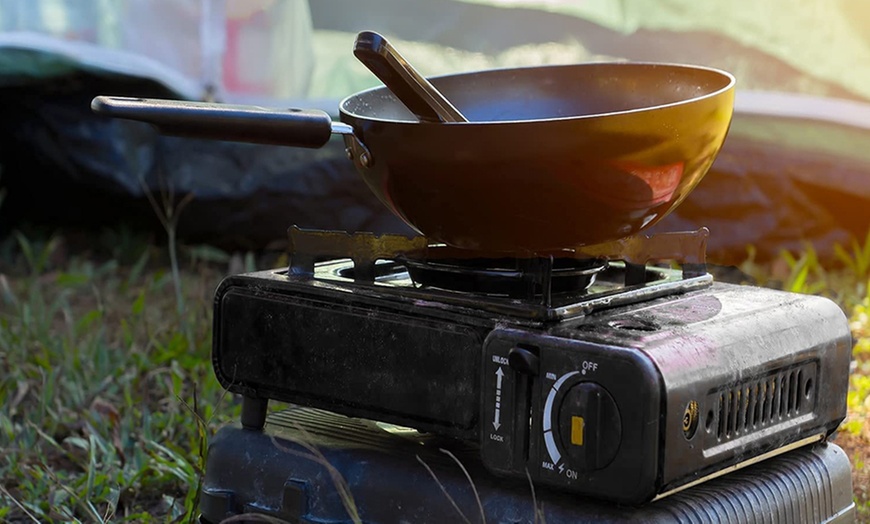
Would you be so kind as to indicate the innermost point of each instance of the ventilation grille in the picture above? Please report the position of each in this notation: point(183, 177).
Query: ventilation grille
point(761, 402)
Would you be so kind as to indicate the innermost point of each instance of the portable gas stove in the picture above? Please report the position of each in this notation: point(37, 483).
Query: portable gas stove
point(588, 370)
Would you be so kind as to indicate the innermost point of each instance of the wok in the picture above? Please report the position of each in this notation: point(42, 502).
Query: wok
point(552, 157)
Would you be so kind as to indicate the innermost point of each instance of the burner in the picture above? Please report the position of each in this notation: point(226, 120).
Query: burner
point(524, 278)
point(523, 287)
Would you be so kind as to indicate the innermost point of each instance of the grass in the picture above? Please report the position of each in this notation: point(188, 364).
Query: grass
point(106, 403)
point(107, 398)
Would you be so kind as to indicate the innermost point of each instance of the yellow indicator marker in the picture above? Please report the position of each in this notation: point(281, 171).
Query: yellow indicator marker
point(577, 427)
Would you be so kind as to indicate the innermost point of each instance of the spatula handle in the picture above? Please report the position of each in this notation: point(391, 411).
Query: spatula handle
point(409, 86)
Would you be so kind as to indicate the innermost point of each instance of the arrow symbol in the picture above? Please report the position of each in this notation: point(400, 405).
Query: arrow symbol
point(499, 375)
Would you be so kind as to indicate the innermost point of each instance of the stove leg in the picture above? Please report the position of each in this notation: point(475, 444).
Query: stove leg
point(635, 274)
point(254, 412)
point(694, 270)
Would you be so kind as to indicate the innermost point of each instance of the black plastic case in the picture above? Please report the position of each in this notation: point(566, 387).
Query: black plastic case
point(393, 475)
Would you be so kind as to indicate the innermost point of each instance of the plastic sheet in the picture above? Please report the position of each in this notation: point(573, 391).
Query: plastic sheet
point(781, 184)
point(226, 48)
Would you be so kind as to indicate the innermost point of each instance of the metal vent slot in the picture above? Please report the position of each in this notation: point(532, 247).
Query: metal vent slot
point(761, 402)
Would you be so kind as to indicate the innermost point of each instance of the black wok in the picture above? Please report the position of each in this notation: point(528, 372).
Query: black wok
point(552, 157)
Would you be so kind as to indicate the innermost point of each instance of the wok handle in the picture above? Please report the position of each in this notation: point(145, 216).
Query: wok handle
point(291, 127)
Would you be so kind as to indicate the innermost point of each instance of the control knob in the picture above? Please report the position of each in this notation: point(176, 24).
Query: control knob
point(590, 429)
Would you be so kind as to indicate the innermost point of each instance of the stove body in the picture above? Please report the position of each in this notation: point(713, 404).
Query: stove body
point(623, 393)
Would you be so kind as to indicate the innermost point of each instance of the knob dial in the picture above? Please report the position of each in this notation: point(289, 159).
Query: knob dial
point(590, 428)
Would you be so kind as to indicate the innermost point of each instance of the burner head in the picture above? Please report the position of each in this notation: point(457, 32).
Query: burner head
point(452, 269)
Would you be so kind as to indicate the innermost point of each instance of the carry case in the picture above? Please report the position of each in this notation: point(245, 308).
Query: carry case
point(312, 466)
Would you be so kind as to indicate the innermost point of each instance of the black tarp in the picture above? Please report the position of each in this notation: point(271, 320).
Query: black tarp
point(776, 184)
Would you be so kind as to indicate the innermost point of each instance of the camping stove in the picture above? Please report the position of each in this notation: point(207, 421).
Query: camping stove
point(589, 370)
